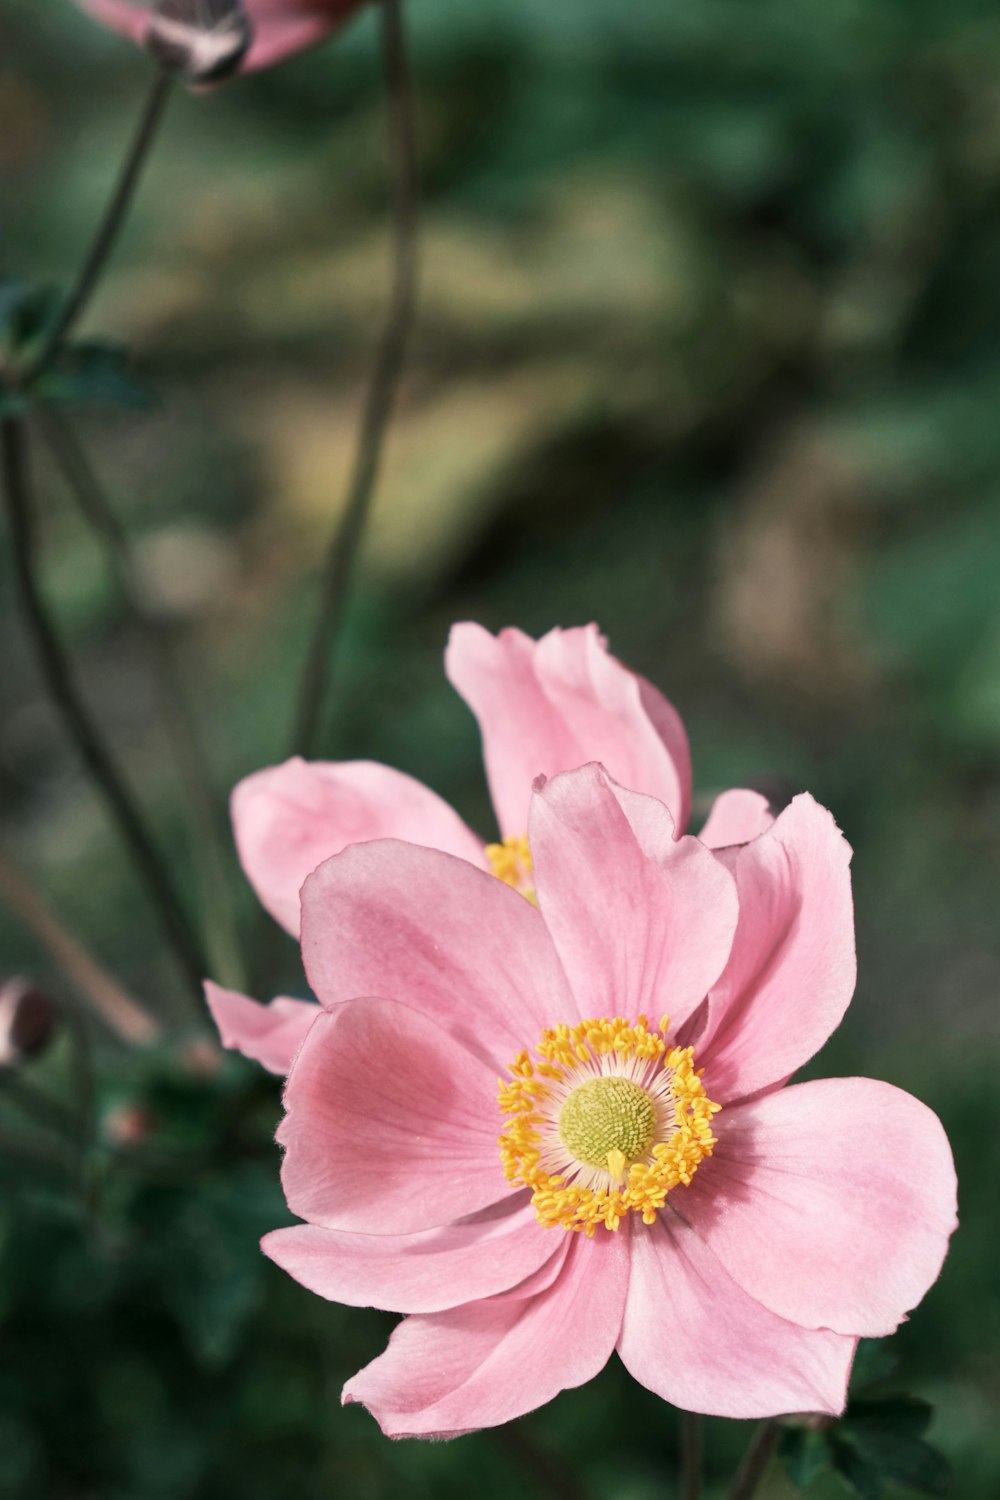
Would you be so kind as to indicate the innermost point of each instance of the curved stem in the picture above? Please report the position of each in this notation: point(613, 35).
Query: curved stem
point(314, 684)
point(207, 830)
point(116, 1008)
point(690, 1456)
point(111, 224)
point(755, 1462)
point(551, 1476)
point(93, 751)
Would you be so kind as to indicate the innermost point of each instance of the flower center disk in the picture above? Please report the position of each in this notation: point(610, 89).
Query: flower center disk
point(607, 1117)
point(603, 1121)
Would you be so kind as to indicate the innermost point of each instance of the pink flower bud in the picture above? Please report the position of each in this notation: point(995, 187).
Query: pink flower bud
point(27, 1021)
point(206, 40)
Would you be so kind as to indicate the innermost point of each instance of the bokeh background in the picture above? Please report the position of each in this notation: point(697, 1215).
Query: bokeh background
point(708, 351)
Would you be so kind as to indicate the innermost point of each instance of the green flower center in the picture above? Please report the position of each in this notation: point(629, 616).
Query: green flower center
point(607, 1118)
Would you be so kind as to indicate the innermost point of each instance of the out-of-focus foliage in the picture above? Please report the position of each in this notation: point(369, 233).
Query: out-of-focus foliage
point(709, 350)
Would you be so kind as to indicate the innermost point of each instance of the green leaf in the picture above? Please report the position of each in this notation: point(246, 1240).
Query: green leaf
point(26, 315)
point(862, 1477)
point(903, 1414)
point(907, 1460)
point(806, 1452)
point(875, 1361)
point(93, 374)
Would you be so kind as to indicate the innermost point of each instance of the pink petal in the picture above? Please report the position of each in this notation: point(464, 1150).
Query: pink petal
point(642, 922)
point(692, 1336)
point(490, 1361)
point(449, 940)
point(391, 1125)
point(791, 972)
point(120, 15)
point(283, 27)
point(268, 1034)
point(554, 704)
point(290, 818)
point(829, 1202)
point(280, 27)
point(426, 1272)
point(736, 818)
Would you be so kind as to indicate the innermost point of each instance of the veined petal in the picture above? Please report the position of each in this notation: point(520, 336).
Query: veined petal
point(736, 817)
point(642, 921)
point(458, 945)
point(491, 1361)
point(551, 705)
point(268, 1034)
point(290, 818)
point(791, 972)
point(694, 1337)
point(426, 1272)
point(391, 1124)
point(829, 1202)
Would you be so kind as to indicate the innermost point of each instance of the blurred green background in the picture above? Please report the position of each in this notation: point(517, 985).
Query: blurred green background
point(709, 351)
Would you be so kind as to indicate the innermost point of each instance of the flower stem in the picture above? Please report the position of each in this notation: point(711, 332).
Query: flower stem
point(207, 831)
point(116, 1008)
point(550, 1475)
point(111, 224)
point(690, 1456)
point(755, 1462)
point(62, 688)
point(314, 685)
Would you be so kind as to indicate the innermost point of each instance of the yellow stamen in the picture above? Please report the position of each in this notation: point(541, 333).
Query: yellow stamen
point(511, 863)
point(599, 1095)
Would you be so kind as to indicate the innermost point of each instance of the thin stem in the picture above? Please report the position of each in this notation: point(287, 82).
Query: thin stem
point(550, 1475)
point(690, 1456)
point(755, 1462)
point(116, 1008)
point(314, 686)
point(38, 1106)
point(45, 1151)
point(93, 751)
point(201, 803)
point(111, 224)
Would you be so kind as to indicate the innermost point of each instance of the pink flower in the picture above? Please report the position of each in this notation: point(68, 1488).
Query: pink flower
point(543, 707)
point(280, 27)
point(650, 1187)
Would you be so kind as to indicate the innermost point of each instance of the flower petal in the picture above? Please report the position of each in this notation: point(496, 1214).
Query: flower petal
point(692, 1336)
point(490, 1361)
point(391, 1125)
point(290, 818)
point(449, 940)
point(792, 969)
point(268, 1034)
point(736, 817)
point(282, 28)
point(120, 15)
point(830, 1202)
point(641, 921)
point(554, 704)
point(426, 1272)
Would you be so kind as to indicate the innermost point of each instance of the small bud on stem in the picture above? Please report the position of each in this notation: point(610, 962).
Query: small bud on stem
point(27, 1021)
point(204, 41)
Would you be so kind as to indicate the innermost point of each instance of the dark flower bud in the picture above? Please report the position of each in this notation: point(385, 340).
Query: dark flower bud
point(128, 1124)
point(204, 41)
point(27, 1021)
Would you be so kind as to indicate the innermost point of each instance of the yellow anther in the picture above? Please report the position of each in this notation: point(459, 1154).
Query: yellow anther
point(616, 1164)
point(511, 863)
point(604, 1121)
